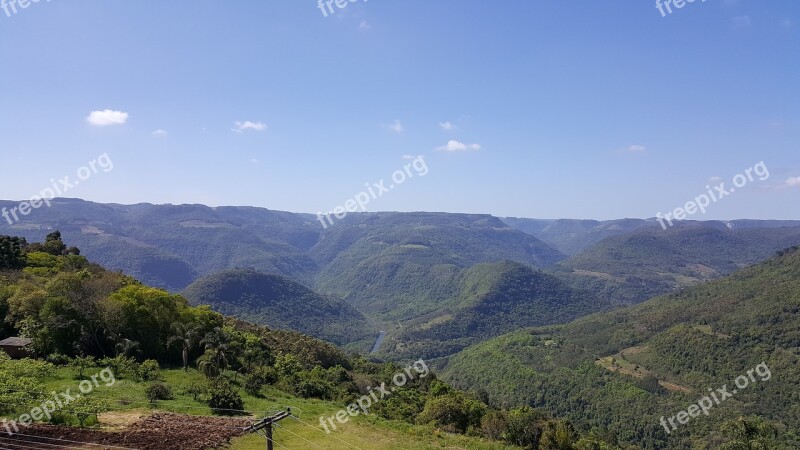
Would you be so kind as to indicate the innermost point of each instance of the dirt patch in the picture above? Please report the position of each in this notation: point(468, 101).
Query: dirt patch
point(156, 432)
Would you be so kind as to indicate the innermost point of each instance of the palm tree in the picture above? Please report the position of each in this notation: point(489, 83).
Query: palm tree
point(215, 359)
point(126, 347)
point(187, 336)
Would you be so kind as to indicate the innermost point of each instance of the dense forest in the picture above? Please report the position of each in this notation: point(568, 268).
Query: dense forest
point(621, 371)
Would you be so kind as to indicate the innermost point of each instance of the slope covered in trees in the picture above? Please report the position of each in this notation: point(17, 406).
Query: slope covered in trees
point(650, 261)
point(492, 299)
point(621, 371)
point(279, 302)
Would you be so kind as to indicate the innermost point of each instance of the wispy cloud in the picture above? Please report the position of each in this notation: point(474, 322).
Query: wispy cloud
point(107, 117)
point(160, 133)
point(397, 127)
point(636, 148)
point(364, 25)
point(456, 146)
point(248, 125)
point(447, 126)
point(793, 182)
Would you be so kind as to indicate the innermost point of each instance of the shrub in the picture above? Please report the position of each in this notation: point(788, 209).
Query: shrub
point(452, 412)
point(158, 391)
point(223, 398)
point(150, 370)
point(81, 363)
point(197, 391)
point(258, 378)
point(121, 366)
point(308, 386)
point(57, 359)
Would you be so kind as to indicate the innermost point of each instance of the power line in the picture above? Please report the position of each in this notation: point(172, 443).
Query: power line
point(301, 437)
point(71, 441)
point(326, 434)
point(266, 424)
point(32, 442)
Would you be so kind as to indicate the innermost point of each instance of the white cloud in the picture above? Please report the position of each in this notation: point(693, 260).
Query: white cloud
point(636, 149)
point(793, 182)
point(248, 125)
point(364, 25)
point(715, 179)
point(397, 127)
point(160, 133)
point(447, 126)
point(411, 156)
point(456, 146)
point(254, 160)
point(107, 117)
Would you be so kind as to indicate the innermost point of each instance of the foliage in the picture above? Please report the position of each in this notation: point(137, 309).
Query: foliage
point(150, 370)
point(223, 398)
point(279, 302)
point(701, 337)
point(158, 391)
point(259, 377)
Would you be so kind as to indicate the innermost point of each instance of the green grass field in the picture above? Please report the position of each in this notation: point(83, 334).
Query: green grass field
point(127, 401)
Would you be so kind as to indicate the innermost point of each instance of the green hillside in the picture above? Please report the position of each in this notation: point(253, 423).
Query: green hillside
point(650, 261)
point(622, 371)
point(279, 302)
point(398, 266)
point(494, 298)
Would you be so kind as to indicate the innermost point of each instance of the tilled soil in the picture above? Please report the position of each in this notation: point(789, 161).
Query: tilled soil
point(157, 432)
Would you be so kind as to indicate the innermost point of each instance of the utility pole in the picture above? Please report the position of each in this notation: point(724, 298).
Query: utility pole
point(266, 425)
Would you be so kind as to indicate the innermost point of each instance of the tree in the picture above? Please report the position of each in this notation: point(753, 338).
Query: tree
point(750, 434)
point(186, 336)
point(558, 435)
point(54, 245)
point(215, 359)
point(525, 427)
point(12, 256)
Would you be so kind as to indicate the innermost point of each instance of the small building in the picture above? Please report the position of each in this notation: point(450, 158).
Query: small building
point(17, 347)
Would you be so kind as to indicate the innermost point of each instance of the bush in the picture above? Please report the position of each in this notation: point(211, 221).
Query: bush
point(258, 378)
point(159, 391)
point(308, 386)
point(452, 412)
point(81, 363)
point(150, 370)
point(197, 391)
point(57, 359)
point(224, 399)
point(121, 366)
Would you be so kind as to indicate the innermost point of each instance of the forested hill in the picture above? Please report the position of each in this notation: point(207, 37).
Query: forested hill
point(492, 299)
point(279, 302)
point(650, 261)
point(622, 371)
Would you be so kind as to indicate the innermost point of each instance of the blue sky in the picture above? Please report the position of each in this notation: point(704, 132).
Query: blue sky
point(574, 109)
